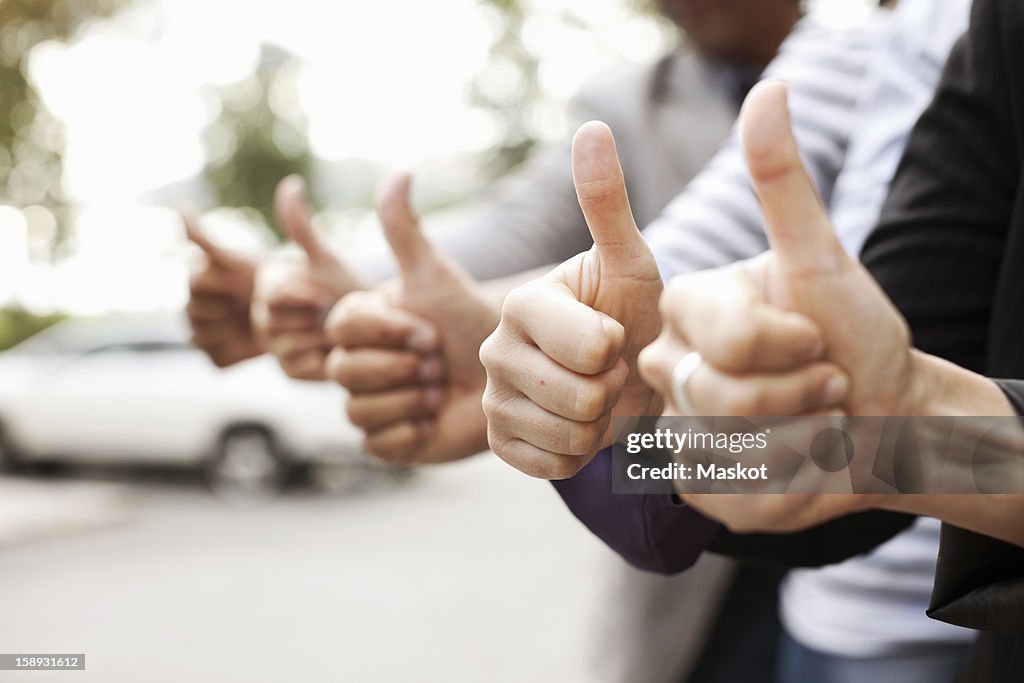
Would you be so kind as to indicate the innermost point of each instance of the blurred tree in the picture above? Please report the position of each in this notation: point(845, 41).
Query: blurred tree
point(508, 86)
point(17, 325)
point(31, 139)
point(259, 137)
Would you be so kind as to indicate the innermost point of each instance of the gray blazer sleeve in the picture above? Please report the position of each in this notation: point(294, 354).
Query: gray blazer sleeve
point(717, 220)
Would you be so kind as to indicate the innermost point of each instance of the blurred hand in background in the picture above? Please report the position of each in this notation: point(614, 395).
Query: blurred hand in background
point(408, 352)
point(293, 295)
point(563, 360)
point(220, 295)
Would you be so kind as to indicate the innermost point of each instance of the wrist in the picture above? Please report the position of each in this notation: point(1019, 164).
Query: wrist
point(941, 389)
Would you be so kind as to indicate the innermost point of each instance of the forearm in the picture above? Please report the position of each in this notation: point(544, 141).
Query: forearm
point(947, 390)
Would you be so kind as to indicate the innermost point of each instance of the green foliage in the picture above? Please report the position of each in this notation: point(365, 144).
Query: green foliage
point(512, 108)
point(17, 325)
point(252, 144)
point(31, 139)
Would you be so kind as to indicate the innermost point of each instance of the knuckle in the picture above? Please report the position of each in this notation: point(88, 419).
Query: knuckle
point(810, 391)
point(504, 368)
point(397, 449)
point(298, 369)
point(357, 415)
point(583, 437)
point(495, 406)
point(591, 401)
point(516, 303)
point(402, 368)
point(338, 325)
point(562, 467)
point(501, 444)
point(494, 354)
point(498, 409)
point(652, 361)
point(487, 401)
point(740, 400)
point(596, 351)
point(344, 372)
point(487, 355)
point(198, 279)
point(335, 366)
point(221, 360)
point(738, 345)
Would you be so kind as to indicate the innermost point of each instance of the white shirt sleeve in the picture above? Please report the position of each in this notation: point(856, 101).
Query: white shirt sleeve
point(717, 220)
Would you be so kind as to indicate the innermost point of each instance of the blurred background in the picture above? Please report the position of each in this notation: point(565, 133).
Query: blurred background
point(112, 113)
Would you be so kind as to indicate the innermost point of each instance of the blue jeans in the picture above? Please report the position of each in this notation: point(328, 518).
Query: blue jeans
point(800, 664)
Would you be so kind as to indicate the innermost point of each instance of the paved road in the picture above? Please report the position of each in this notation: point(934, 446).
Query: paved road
point(469, 572)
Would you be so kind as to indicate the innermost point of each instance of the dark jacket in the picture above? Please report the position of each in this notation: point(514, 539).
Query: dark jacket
point(949, 251)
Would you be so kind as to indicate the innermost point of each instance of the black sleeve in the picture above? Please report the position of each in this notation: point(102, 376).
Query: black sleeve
point(979, 581)
point(828, 543)
point(942, 235)
point(1014, 390)
point(938, 253)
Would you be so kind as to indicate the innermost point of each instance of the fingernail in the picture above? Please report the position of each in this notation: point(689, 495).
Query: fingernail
point(835, 390)
point(431, 369)
point(423, 339)
point(432, 397)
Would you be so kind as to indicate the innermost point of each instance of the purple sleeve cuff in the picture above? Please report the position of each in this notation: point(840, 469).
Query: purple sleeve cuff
point(656, 533)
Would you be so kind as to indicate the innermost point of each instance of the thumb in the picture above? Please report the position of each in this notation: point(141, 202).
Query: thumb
point(294, 216)
point(216, 253)
point(601, 190)
point(402, 227)
point(797, 223)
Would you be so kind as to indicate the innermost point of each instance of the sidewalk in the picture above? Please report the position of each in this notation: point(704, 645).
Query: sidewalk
point(31, 510)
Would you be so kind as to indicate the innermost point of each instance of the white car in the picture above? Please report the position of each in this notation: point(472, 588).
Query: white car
point(132, 389)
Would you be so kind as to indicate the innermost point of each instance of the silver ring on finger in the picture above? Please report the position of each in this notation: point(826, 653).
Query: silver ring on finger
point(681, 376)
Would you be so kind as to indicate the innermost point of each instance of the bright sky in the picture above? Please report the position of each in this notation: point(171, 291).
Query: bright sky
point(382, 80)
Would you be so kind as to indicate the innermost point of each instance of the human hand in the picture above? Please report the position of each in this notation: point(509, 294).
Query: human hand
point(563, 360)
point(801, 330)
point(292, 297)
point(408, 352)
point(220, 293)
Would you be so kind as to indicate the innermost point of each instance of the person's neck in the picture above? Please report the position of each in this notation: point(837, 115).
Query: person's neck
point(762, 54)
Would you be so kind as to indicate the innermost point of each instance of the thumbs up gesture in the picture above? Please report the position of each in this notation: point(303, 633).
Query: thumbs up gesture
point(220, 293)
point(563, 359)
point(803, 329)
point(408, 353)
point(291, 297)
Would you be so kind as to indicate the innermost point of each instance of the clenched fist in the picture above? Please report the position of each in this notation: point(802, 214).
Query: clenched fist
point(408, 352)
point(563, 360)
point(220, 293)
point(292, 297)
